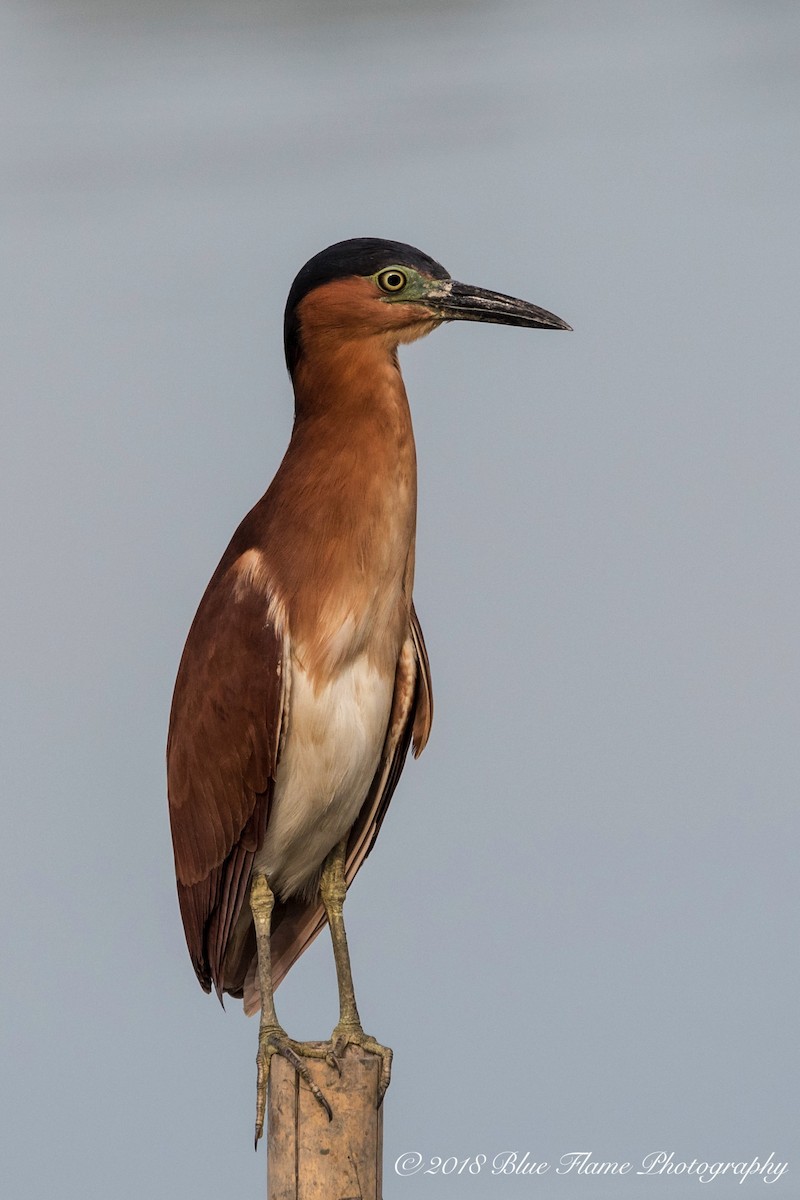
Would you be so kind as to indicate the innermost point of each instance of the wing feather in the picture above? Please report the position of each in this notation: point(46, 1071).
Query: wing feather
point(423, 712)
point(222, 751)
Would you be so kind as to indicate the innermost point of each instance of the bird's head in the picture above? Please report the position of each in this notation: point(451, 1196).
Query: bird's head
point(371, 288)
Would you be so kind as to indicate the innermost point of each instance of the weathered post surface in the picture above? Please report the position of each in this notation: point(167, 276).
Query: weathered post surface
point(312, 1158)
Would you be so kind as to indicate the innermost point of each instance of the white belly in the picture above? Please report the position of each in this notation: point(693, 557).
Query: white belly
point(332, 749)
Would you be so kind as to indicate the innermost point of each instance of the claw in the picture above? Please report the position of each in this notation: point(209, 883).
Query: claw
point(272, 1041)
point(346, 1035)
point(290, 1053)
point(332, 1059)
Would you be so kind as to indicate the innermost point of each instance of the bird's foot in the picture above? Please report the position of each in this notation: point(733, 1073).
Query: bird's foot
point(272, 1040)
point(351, 1034)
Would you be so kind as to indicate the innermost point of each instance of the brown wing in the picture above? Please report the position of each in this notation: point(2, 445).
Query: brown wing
point(222, 752)
point(297, 922)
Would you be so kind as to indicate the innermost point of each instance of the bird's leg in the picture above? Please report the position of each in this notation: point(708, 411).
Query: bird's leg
point(333, 889)
point(272, 1037)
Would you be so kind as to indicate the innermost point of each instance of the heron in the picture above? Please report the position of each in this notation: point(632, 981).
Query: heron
point(305, 679)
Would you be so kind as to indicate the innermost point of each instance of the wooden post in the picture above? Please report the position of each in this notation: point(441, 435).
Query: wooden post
point(312, 1158)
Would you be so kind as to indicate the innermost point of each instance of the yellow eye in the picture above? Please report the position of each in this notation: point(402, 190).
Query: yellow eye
point(392, 280)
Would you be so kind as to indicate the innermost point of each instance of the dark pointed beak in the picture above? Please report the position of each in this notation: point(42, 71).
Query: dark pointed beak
point(461, 302)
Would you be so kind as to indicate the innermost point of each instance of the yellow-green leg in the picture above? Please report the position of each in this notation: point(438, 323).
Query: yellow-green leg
point(272, 1037)
point(333, 889)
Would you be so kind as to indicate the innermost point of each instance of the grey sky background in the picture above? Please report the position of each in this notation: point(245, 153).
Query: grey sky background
point(579, 927)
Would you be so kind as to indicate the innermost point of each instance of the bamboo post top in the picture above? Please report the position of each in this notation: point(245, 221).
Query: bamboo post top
point(312, 1158)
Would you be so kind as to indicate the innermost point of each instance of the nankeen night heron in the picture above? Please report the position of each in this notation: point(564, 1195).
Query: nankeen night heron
point(305, 677)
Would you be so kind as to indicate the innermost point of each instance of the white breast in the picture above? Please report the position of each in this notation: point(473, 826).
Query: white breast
point(331, 752)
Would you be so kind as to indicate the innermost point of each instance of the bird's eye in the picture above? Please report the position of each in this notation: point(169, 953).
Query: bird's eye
point(392, 280)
